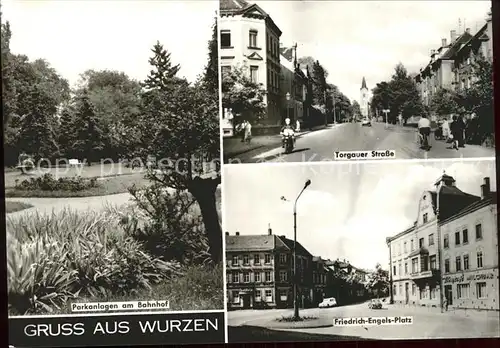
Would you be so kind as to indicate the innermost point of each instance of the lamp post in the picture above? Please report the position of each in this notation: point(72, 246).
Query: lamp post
point(287, 105)
point(386, 111)
point(295, 297)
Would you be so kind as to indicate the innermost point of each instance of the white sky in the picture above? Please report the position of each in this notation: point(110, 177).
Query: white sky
point(353, 39)
point(78, 35)
point(347, 211)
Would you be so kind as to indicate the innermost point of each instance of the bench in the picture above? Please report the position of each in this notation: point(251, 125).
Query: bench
point(75, 162)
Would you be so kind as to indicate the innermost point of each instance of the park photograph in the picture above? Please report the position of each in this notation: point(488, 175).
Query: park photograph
point(111, 154)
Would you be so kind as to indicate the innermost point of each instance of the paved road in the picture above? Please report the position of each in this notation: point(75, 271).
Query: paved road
point(427, 322)
point(321, 145)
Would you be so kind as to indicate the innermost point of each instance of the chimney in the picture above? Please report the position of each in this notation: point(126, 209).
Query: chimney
point(433, 52)
point(227, 233)
point(269, 230)
point(453, 35)
point(467, 30)
point(237, 233)
point(443, 42)
point(485, 188)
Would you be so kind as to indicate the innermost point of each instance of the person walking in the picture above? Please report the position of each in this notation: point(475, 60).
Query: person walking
point(461, 126)
point(247, 132)
point(455, 132)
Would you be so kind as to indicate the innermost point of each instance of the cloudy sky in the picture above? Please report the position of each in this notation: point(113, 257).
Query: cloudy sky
point(353, 39)
point(347, 211)
point(78, 35)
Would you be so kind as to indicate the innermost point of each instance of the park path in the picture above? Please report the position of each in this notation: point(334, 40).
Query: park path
point(49, 205)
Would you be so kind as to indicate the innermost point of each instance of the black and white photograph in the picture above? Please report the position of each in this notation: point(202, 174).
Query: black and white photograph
point(112, 158)
point(361, 251)
point(306, 81)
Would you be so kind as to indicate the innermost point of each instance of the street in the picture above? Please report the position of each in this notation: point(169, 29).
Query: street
point(427, 322)
point(320, 145)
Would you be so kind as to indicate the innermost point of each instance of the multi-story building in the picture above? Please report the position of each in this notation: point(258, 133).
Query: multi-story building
point(415, 253)
point(470, 254)
point(320, 274)
point(259, 271)
point(294, 84)
point(249, 39)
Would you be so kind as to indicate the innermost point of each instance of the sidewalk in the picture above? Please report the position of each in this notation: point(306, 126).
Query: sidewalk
point(234, 146)
point(461, 313)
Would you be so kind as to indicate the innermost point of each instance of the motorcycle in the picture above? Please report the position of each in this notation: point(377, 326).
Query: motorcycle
point(288, 141)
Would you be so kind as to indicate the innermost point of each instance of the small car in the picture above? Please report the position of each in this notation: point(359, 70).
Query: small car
point(328, 302)
point(375, 304)
point(366, 122)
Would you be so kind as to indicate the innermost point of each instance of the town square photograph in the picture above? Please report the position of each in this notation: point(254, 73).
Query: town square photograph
point(304, 79)
point(366, 250)
point(111, 155)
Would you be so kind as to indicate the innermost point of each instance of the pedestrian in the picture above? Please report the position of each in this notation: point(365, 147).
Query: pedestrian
point(248, 132)
point(298, 126)
point(446, 303)
point(455, 132)
point(461, 134)
point(241, 128)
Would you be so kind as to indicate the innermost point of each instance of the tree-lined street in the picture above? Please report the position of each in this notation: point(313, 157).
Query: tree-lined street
point(321, 145)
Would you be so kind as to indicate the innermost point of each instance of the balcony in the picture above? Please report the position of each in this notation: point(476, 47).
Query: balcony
point(425, 274)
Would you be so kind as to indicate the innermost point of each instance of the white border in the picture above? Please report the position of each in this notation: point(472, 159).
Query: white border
point(221, 136)
point(117, 314)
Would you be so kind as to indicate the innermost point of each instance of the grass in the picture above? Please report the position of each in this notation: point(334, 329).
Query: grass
point(107, 186)
point(12, 207)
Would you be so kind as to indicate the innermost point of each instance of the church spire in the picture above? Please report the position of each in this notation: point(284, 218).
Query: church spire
point(363, 84)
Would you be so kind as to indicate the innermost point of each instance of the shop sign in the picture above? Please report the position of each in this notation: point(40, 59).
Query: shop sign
point(469, 278)
point(453, 279)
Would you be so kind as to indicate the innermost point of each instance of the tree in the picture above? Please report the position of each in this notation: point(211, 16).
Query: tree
point(243, 96)
point(379, 282)
point(211, 76)
point(405, 97)
point(381, 98)
point(444, 102)
point(9, 99)
point(179, 125)
point(319, 84)
point(356, 109)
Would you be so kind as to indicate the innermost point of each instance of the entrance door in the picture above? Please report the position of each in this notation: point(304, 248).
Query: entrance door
point(246, 301)
point(449, 294)
point(407, 293)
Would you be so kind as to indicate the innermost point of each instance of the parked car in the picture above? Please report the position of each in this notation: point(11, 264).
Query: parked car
point(375, 304)
point(328, 302)
point(366, 122)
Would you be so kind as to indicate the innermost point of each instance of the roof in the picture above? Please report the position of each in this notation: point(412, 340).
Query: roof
point(300, 248)
point(262, 243)
point(479, 36)
point(244, 8)
point(233, 5)
point(363, 84)
point(455, 46)
point(489, 200)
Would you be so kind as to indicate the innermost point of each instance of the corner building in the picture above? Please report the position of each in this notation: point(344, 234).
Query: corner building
point(421, 255)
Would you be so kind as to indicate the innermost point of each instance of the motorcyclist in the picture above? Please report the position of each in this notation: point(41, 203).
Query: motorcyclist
point(287, 129)
point(424, 128)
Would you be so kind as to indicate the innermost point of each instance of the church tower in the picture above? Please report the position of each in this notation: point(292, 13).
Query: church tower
point(363, 100)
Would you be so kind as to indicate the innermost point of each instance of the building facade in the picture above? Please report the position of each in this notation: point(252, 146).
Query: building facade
point(249, 39)
point(294, 84)
point(420, 256)
point(364, 99)
point(259, 271)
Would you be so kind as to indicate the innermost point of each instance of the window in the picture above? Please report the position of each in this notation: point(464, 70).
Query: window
point(479, 259)
point(258, 277)
point(267, 258)
point(252, 38)
point(236, 278)
point(400, 268)
point(235, 261)
point(433, 262)
point(406, 267)
point(283, 276)
point(245, 260)
point(283, 294)
point(256, 259)
point(282, 258)
point(457, 238)
point(431, 239)
point(447, 266)
point(268, 277)
point(479, 231)
point(258, 295)
point(268, 43)
point(433, 293)
point(466, 262)
point(481, 290)
point(424, 263)
point(413, 289)
point(394, 270)
point(269, 296)
point(395, 290)
point(412, 246)
point(400, 289)
point(425, 217)
point(463, 291)
point(246, 277)
point(236, 297)
point(404, 247)
point(446, 241)
point(414, 265)
point(225, 39)
point(465, 236)
point(458, 264)
point(254, 70)
point(225, 69)
point(421, 243)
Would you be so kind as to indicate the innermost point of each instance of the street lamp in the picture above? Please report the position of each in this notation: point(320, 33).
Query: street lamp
point(287, 105)
point(295, 297)
point(386, 111)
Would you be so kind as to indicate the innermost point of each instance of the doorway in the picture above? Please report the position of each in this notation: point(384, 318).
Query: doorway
point(247, 301)
point(407, 293)
point(448, 292)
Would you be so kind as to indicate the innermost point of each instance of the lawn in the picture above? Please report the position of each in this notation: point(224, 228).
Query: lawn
point(106, 186)
point(12, 207)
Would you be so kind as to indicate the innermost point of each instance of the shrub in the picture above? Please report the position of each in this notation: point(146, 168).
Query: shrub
point(47, 182)
point(291, 319)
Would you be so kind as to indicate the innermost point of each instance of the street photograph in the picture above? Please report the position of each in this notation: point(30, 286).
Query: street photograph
point(305, 80)
point(361, 251)
point(111, 156)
